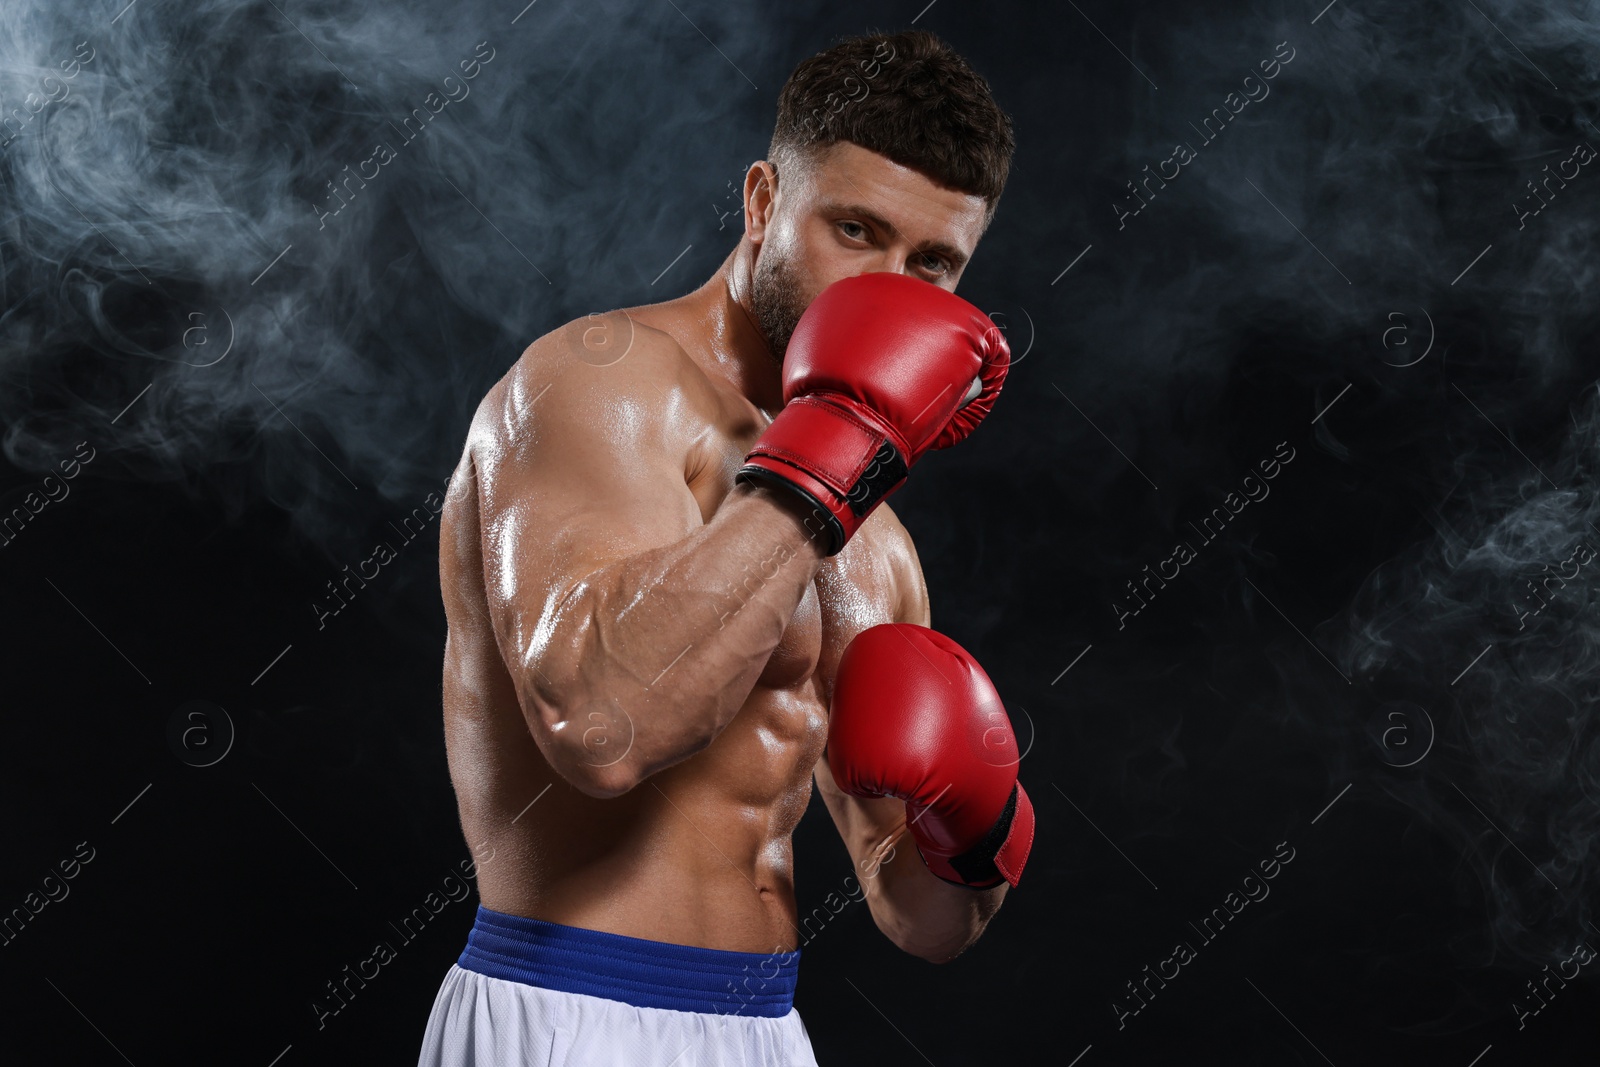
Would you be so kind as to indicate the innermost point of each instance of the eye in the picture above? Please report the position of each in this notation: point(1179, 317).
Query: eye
point(861, 235)
point(934, 264)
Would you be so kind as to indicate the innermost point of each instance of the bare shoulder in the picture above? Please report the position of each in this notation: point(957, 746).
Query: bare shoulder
point(910, 583)
point(584, 418)
point(575, 457)
point(605, 380)
point(884, 557)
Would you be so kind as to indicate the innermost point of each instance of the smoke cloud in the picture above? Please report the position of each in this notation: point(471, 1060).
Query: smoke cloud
point(281, 249)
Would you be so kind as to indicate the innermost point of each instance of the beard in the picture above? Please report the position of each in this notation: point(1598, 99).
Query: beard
point(776, 300)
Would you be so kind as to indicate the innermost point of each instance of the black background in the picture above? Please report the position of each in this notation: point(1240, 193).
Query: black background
point(1253, 702)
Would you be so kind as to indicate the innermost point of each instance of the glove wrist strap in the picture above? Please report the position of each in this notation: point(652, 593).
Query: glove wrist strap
point(1002, 852)
point(840, 462)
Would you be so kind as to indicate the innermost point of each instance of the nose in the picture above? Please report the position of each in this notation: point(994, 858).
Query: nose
point(892, 264)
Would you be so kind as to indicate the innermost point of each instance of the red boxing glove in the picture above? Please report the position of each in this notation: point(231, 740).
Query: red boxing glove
point(878, 371)
point(915, 717)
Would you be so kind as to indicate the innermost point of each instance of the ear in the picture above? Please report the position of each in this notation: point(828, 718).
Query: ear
point(760, 199)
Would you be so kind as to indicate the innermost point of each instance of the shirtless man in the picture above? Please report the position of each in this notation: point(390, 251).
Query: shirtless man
point(662, 543)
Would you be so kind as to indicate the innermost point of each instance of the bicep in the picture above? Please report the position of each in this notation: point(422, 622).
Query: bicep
point(914, 606)
point(909, 587)
point(580, 476)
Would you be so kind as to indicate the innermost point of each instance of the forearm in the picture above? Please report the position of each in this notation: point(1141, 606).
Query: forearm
point(921, 913)
point(642, 663)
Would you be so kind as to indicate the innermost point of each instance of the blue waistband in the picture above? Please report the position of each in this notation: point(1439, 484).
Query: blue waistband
point(646, 974)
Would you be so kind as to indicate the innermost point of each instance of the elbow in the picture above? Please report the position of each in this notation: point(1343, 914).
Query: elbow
point(593, 743)
point(590, 749)
point(928, 938)
point(605, 762)
point(586, 739)
point(913, 942)
point(936, 952)
point(602, 749)
point(602, 783)
point(599, 726)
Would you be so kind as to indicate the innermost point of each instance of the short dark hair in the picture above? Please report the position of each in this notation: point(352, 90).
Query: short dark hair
point(907, 96)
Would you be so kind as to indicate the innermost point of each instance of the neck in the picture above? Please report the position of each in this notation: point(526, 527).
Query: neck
point(737, 351)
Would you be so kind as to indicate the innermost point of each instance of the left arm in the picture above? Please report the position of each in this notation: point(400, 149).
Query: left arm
point(920, 912)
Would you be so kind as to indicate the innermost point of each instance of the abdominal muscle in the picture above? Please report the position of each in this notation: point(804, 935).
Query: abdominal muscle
point(697, 854)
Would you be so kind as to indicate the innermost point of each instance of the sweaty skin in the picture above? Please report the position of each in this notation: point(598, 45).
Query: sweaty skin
point(641, 654)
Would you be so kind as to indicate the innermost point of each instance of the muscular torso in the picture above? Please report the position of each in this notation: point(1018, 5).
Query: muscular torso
point(699, 853)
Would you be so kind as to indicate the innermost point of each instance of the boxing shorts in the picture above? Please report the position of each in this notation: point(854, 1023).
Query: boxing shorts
point(529, 992)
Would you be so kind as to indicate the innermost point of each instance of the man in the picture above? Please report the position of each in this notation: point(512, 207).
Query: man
point(670, 583)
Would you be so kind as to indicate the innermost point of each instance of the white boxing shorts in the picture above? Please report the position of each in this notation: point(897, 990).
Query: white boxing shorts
point(528, 993)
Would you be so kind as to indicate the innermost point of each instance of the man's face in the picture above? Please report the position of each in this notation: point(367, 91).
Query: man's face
point(853, 212)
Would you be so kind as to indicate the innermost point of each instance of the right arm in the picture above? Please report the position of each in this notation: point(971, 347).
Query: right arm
point(633, 629)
